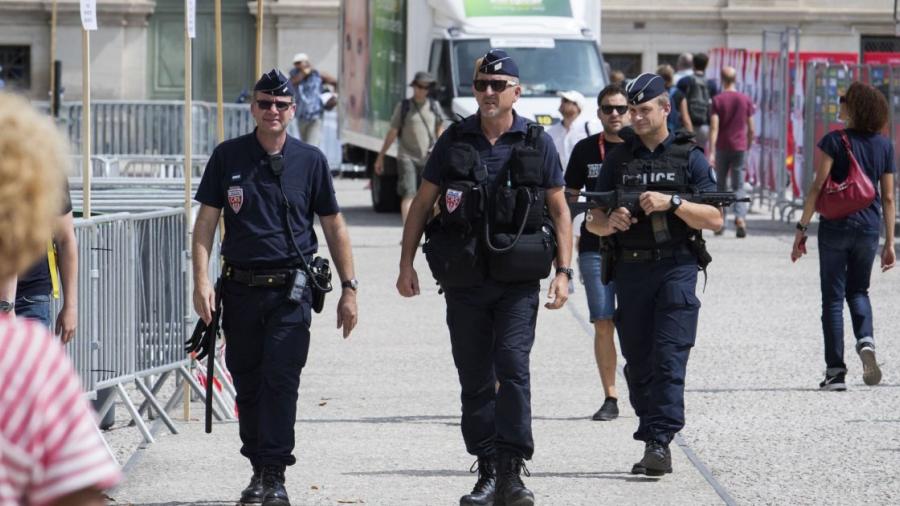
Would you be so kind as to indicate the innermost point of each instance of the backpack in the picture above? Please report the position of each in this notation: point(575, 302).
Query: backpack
point(674, 120)
point(698, 100)
point(406, 106)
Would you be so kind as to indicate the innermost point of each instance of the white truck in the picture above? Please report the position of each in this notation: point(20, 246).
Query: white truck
point(384, 43)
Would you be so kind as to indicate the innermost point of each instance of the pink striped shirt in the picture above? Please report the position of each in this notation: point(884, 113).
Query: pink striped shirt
point(49, 444)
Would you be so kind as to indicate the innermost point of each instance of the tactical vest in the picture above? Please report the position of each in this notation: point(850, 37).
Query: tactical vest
point(501, 230)
point(669, 171)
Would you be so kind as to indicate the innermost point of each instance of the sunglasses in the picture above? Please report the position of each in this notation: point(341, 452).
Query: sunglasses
point(422, 86)
point(608, 109)
point(265, 105)
point(498, 85)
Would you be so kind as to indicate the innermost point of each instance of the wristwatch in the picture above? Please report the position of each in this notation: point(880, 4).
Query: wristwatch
point(7, 306)
point(801, 227)
point(351, 283)
point(565, 270)
point(676, 203)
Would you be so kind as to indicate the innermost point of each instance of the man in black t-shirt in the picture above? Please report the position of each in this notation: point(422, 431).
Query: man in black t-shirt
point(30, 296)
point(584, 167)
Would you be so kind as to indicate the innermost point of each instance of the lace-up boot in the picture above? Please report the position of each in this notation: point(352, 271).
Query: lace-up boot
point(510, 489)
point(483, 493)
point(273, 483)
point(254, 492)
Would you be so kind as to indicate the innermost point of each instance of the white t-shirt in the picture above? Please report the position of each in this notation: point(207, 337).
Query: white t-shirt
point(565, 140)
point(49, 443)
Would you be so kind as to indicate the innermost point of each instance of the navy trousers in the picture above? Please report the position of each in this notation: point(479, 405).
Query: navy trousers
point(492, 332)
point(656, 320)
point(267, 339)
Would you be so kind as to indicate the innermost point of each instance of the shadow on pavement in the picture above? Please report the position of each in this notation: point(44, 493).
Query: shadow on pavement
point(365, 216)
point(447, 420)
point(447, 473)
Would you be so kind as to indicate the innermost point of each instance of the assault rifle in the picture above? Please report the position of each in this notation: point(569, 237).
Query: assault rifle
point(629, 197)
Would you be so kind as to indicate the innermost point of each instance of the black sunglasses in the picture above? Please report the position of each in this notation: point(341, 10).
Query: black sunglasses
point(498, 85)
point(422, 86)
point(608, 109)
point(265, 105)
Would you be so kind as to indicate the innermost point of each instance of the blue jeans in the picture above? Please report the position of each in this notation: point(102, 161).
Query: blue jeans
point(34, 307)
point(601, 298)
point(846, 254)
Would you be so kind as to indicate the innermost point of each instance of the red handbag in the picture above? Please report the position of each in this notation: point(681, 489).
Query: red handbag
point(839, 200)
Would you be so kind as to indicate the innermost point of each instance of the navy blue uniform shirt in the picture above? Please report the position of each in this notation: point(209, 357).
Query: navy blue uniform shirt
point(875, 155)
point(36, 281)
point(238, 178)
point(700, 173)
point(493, 157)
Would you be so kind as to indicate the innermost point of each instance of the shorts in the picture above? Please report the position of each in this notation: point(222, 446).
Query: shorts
point(601, 298)
point(409, 173)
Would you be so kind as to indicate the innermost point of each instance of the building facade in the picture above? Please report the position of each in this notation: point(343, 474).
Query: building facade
point(137, 53)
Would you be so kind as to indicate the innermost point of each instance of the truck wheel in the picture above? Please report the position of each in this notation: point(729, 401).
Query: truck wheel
point(384, 194)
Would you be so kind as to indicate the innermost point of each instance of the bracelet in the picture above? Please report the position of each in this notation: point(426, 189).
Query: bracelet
point(801, 227)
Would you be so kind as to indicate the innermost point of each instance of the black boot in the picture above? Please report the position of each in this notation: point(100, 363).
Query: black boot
point(483, 493)
point(510, 489)
point(273, 483)
point(657, 460)
point(253, 494)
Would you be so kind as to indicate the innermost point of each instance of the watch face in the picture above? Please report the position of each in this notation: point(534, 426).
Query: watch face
point(676, 200)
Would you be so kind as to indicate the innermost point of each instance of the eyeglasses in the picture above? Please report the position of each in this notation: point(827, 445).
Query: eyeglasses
point(843, 99)
point(608, 109)
point(498, 85)
point(265, 105)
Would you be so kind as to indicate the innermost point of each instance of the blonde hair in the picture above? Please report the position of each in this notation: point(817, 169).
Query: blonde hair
point(477, 66)
point(33, 161)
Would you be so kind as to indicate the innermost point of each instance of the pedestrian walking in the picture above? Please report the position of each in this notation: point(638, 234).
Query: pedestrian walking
point(582, 172)
point(50, 449)
point(679, 118)
point(417, 122)
point(684, 66)
point(655, 264)
point(270, 187)
point(731, 134)
point(848, 244)
point(572, 128)
point(495, 159)
point(699, 92)
point(311, 97)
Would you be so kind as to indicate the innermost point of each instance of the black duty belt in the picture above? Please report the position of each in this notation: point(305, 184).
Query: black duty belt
point(650, 255)
point(259, 277)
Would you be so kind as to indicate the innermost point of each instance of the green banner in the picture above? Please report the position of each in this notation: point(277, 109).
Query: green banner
point(481, 8)
point(387, 64)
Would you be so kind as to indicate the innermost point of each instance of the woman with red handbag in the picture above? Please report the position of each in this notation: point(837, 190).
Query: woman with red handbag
point(845, 192)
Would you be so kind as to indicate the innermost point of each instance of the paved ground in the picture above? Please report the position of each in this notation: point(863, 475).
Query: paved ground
point(378, 418)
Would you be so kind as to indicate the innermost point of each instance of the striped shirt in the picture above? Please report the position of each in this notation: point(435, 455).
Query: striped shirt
point(49, 443)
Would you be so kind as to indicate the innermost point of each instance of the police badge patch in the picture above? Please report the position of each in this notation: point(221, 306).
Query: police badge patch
point(453, 199)
point(235, 198)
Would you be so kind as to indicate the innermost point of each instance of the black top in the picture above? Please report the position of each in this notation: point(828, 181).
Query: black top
point(36, 280)
point(239, 179)
point(584, 168)
point(875, 155)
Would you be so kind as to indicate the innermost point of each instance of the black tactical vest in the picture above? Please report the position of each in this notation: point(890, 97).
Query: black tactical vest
point(667, 172)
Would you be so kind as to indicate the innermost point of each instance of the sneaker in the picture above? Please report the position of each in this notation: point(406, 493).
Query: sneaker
point(833, 382)
point(608, 411)
point(871, 371)
point(741, 232)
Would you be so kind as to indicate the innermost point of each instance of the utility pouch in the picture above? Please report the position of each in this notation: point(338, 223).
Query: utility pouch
point(298, 285)
point(320, 270)
point(461, 162)
point(529, 259)
point(530, 208)
point(454, 257)
point(505, 202)
point(696, 244)
point(526, 167)
point(461, 205)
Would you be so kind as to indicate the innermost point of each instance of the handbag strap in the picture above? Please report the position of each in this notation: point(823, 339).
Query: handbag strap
point(845, 140)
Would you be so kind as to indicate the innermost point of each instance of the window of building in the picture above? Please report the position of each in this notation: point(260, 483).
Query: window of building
point(629, 63)
point(16, 63)
point(879, 44)
point(670, 58)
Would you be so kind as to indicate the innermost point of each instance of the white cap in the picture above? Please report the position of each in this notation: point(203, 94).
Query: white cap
point(299, 57)
point(572, 96)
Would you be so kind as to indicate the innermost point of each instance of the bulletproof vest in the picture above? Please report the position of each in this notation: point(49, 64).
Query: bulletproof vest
point(667, 172)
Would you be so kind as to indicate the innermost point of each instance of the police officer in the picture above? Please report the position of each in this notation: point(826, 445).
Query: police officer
point(492, 323)
point(656, 268)
point(259, 179)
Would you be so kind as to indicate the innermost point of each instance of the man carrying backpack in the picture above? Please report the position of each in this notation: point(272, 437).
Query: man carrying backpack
point(417, 122)
point(699, 92)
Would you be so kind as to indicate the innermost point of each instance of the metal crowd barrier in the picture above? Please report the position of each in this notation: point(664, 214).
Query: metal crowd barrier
point(156, 127)
point(134, 314)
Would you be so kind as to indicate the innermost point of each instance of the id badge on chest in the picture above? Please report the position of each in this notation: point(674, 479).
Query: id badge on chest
point(235, 193)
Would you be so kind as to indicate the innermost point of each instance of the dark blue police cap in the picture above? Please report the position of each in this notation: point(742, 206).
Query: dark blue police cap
point(274, 83)
point(645, 87)
point(496, 61)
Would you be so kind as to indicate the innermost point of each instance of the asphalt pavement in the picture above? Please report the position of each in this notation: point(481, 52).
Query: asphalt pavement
point(378, 415)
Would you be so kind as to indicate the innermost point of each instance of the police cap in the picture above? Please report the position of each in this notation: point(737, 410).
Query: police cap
point(645, 87)
point(274, 83)
point(496, 61)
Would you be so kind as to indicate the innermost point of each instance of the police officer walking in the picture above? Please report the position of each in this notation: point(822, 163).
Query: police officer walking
point(657, 251)
point(270, 186)
point(489, 267)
